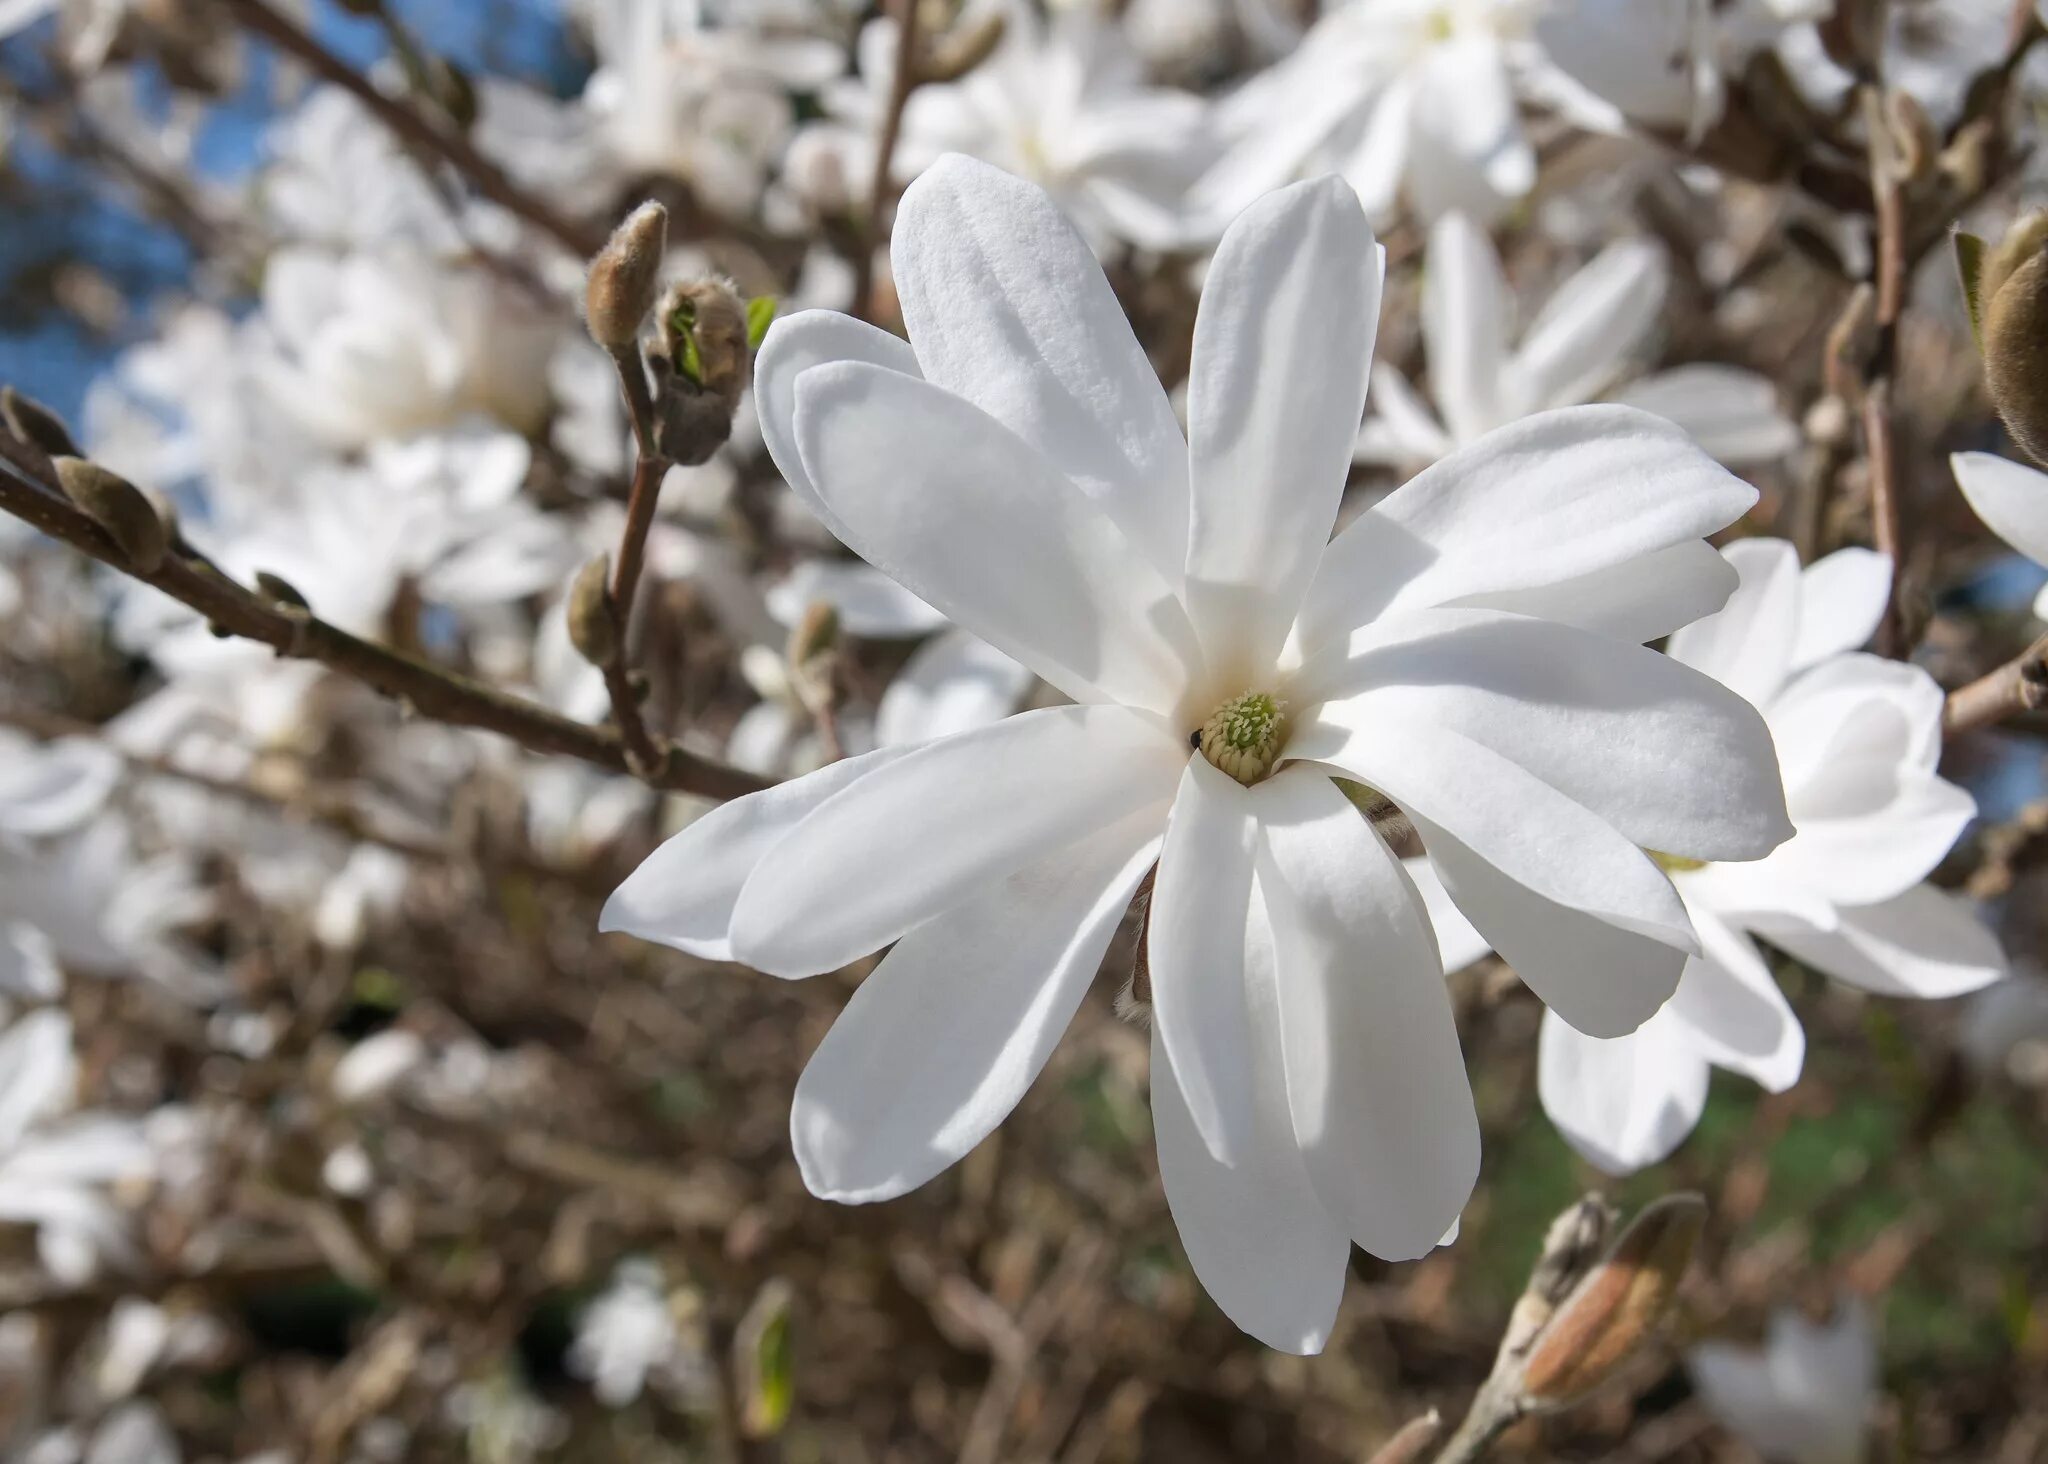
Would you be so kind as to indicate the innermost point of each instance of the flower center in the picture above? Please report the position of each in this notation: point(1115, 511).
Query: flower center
point(1243, 737)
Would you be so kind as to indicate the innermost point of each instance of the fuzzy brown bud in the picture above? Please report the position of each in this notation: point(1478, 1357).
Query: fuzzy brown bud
point(593, 621)
point(1612, 1312)
point(816, 634)
point(963, 48)
point(29, 421)
point(704, 335)
point(625, 277)
point(2014, 300)
point(134, 523)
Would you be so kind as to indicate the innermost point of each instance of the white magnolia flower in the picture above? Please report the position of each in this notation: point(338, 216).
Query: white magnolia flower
point(1579, 348)
point(628, 1335)
point(1665, 64)
point(2012, 500)
point(1806, 1397)
point(1418, 95)
point(1463, 647)
point(1858, 738)
point(55, 1165)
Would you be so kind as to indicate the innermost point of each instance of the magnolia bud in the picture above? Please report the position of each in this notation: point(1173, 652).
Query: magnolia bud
point(625, 277)
point(281, 591)
point(1611, 1313)
point(1916, 141)
point(593, 623)
point(2013, 296)
point(29, 421)
point(815, 635)
point(963, 48)
point(704, 334)
point(134, 523)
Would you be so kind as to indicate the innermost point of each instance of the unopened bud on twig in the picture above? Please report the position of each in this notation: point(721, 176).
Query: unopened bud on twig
point(29, 421)
point(1916, 141)
point(704, 335)
point(625, 277)
point(593, 620)
point(814, 637)
point(1613, 1311)
point(2013, 297)
point(963, 48)
point(134, 523)
point(281, 591)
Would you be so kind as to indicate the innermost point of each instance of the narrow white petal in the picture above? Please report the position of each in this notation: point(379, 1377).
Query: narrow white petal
point(1747, 646)
point(1375, 1076)
point(1540, 502)
point(1623, 1102)
point(793, 345)
point(1196, 953)
point(1670, 758)
point(2010, 497)
point(1738, 1017)
point(683, 894)
point(1283, 347)
point(954, 682)
point(1399, 432)
point(1464, 324)
point(1864, 856)
point(944, 1037)
point(1256, 1233)
point(1589, 329)
point(976, 521)
point(1468, 150)
point(1009, 309)
point(1732, 413)
point(1926, 943)
point(869, 603)
point(1638, 600)
point(1841, 601)
point(1458, 943)
point(941, 822)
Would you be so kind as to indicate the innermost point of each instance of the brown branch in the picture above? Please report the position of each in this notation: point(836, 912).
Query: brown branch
point(1878, 435)
point(901, 84)
point(420, 132)
point(2020, 685)
point(431, 691)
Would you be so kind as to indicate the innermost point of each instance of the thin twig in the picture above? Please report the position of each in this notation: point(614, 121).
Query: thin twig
point(901, 84)
point(427, 135)
point(2020, 685)
point(431, 691)
point(1878, 443)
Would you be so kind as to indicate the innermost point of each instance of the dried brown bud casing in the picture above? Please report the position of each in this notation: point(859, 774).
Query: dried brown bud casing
point(2014, 301)
point(120, 508)
point(625, 278)
point(1614, 1310)
point(704, 335)
point(593, 620)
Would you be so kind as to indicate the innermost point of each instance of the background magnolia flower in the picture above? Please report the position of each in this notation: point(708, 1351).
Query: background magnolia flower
point(1858, 738)
point(1390, 94)
point(1581, 346)
point(1806, 1396)
point(1017, 467)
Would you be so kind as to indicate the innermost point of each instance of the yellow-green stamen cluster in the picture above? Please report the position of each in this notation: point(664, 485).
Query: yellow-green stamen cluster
point(1244, 737)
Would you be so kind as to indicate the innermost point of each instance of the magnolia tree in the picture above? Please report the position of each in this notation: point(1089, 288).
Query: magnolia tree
point(1229, 645)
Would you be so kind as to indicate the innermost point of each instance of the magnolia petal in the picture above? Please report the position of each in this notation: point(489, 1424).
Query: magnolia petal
point(1737, 1016)
point(1643, 599)
point(683, 894)
point(1542, 501)
point(793, 345)
point(1256, 1233)
point(1375, 1077)
point(1010, 310)
point(1747, 646)
point(917, 836)
point(1668, 757)
point(1458, 943)
point(1623, 1102)
point(1732, 413)
point(954, 682)
point(1196, 953)
point(1841, 600)
point(1468, 150)
point(1587, 331)
point(976, 521)
point(1464, 322)
point(1925, 943)
point(943, 1038)
point(2010, 497)
point(1283, 346)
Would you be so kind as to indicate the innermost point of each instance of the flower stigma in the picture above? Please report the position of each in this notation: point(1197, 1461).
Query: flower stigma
point(1243, 737)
